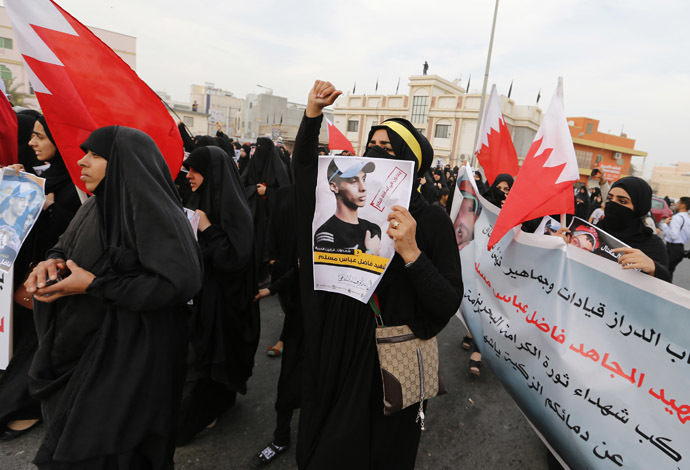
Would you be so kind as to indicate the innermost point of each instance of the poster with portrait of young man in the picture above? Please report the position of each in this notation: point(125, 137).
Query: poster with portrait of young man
point(354, 196)
point(21, 198)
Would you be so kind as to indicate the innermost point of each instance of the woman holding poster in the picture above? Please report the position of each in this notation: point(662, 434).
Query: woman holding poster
point(111, 320)
point(342, 424)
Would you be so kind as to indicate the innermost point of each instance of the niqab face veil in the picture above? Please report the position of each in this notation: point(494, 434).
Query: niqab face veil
point(408, 144)
point(624, 223)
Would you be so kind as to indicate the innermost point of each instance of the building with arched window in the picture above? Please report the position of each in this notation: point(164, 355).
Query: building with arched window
point(441, 110)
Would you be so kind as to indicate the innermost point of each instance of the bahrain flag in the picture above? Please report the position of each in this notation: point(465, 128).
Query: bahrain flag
point(544, 185)
point(336, 139)
point(495, 150)
point(8, 130)
point(82, 85)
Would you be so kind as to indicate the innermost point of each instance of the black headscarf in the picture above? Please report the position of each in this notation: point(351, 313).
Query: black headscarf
point(481, 184)
point(624, 223)
point(137, 178)
point(205, 141)
point(266, 166)
point(242, 162)
point(25, 126)
point(147, 266)
point(400, 132)
point(57, 175)
point(221, 196)
point(495, 195)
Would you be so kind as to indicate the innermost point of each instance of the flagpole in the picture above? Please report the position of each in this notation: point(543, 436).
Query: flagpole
point(486, 80)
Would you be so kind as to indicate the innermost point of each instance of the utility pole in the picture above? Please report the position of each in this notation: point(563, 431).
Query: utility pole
point(486, 80)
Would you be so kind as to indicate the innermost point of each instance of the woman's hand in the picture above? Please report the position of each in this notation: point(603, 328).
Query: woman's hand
point(403, 230)
point(635, 259)
point(204, 223)
point(48, 269)
point(261, 189)
point(75, 284)
point(16, 167)
point(565, 234)
point(321, 95)
point(50, 200)
point(262, 294)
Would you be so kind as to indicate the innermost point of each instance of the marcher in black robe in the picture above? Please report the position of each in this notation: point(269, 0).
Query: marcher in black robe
point(282, 251)
point(481, 184)
point(626, 224)
point(112, 335)
point(225, 324)
point(495, 194)
point(582, 203)
point(341, 421)
point(263, 175)
point(243, 161)
point(62, 202)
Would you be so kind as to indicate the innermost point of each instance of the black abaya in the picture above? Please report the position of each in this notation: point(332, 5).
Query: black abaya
point(341, 421)
point(110, 363)
point(225, 325)
point(265, 167)
point(15, 400)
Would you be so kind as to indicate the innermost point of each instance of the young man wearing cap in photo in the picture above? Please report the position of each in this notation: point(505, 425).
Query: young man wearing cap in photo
point(345, 229)
point(585, 237)
point(11, 212)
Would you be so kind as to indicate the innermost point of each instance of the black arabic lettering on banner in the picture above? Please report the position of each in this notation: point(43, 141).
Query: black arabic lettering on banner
point(536, 378)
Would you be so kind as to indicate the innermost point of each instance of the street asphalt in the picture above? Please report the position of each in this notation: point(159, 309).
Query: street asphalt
point(475, 426)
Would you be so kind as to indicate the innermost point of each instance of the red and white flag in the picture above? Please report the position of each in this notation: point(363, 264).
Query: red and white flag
point(495, 149)
point(544, 185)
point(8, 130)
point(336, 139)
point(82, 85)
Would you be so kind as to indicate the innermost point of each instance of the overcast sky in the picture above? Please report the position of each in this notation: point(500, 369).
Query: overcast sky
point(624, 62)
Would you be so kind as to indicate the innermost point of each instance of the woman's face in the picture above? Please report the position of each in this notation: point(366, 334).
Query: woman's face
point(195, 179)
point(620, 196)
point(41, 144)
point(93, 168)
point(380, 138)
point(243, 153)
point(504, 186)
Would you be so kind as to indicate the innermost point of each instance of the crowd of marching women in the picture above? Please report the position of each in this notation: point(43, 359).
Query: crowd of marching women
point(134, 332)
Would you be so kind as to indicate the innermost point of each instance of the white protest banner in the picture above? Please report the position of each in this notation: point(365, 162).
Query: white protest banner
point(597, 357)
point(21, 199)
point(6, 307)
point(354, 196)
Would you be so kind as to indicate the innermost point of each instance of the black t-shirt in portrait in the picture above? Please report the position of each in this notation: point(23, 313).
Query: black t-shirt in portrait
point(335, 233)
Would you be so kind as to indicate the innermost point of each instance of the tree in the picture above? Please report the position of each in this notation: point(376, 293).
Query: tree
point(16, 97)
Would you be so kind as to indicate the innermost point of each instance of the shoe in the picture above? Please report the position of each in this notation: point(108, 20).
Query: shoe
point(268, 454)
point(11, 434)
point(274, 352)
point(475, 366)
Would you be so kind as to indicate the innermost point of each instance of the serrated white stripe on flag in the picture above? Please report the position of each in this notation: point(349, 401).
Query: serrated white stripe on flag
point(25, 15)
point(556, 135)
point(490, 119)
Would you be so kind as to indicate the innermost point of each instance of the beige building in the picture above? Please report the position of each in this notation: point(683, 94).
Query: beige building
point(672, 181)
point(441, 110)
point(12, 65)
point(219, 105)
